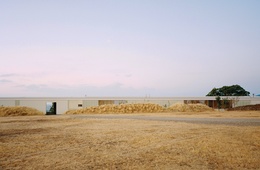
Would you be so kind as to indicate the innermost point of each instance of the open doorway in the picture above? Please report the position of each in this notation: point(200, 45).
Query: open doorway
point(51, 108)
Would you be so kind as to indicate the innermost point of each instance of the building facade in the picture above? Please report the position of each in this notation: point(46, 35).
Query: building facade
point(60, 105)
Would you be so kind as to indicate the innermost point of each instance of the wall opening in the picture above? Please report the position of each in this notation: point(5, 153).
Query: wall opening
point(103, 102)
point(51, 108)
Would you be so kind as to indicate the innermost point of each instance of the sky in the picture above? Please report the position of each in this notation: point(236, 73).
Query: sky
point(137, 48)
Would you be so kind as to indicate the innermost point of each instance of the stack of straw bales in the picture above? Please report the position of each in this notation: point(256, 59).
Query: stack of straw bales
point(122, 108)
point(180, 107)
point(19, 111)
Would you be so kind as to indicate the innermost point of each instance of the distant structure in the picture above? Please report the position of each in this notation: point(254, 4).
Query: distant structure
point(59, 105)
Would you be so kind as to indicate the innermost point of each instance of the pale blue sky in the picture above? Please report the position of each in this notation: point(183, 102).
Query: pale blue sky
point(128, 48)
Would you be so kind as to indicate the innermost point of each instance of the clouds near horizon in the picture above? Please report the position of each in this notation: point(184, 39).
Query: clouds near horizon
point(133, 48)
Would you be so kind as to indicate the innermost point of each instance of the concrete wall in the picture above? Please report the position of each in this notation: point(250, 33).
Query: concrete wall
point(7, 102)
point(89, 103)
point(65, 104)
point(253, 102)
point(135, 101)
point(74, 104)
point(166, 103)
point(62, 106)
point(242, 103)
point(37, 104)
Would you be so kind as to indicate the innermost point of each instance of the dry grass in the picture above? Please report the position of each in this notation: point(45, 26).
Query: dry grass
point(19, 111)
point(141, 108)
point(221, 114)
point(180, 107)
point(122, 108)
point(63, 142)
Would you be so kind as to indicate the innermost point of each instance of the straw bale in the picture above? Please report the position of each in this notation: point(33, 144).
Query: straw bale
point(19, 111)
point(122, 108)
point(180, 107)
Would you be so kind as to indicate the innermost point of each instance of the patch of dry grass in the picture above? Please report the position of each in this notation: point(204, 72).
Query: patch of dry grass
point(121, 108)
point(180, 107)
point(19, 111)
point(141, 108)
point(62, 142)
point(221, 114)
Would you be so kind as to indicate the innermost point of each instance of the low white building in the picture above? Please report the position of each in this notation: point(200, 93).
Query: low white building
point(62, 104)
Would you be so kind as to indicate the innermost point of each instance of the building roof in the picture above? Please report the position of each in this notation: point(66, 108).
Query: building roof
point(127, 98)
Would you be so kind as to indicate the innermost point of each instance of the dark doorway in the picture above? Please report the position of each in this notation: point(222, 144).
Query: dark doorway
point(51, 108)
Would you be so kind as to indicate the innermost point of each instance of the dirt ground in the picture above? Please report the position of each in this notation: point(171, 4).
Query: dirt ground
point(221, 114)
point(247, 107)
point(64, 142)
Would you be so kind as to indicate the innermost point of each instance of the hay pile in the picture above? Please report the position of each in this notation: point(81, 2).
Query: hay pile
point(140, 108)
point(180, 107)
point(19, 111)
point(122, 108)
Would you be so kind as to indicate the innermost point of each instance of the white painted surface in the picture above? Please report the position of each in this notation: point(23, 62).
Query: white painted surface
point(37, 104)
point(89, 103)
point(64, 104)
point(7, 102)
point(74, 104)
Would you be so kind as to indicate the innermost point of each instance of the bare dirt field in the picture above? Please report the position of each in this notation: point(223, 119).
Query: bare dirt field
point(73, 142)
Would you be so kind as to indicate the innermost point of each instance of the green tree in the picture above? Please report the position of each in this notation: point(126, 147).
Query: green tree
point(234, 90)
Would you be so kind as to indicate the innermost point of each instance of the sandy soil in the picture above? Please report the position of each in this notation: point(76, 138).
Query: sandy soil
point(62, 142)
point(223, 114)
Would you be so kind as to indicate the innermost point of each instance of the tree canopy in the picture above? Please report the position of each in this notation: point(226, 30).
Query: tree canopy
point(234, 90)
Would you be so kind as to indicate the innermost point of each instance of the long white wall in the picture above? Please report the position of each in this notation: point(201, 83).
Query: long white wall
point(37, 104)
point(7, 102)
point(65, 104)
point(62, 106)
